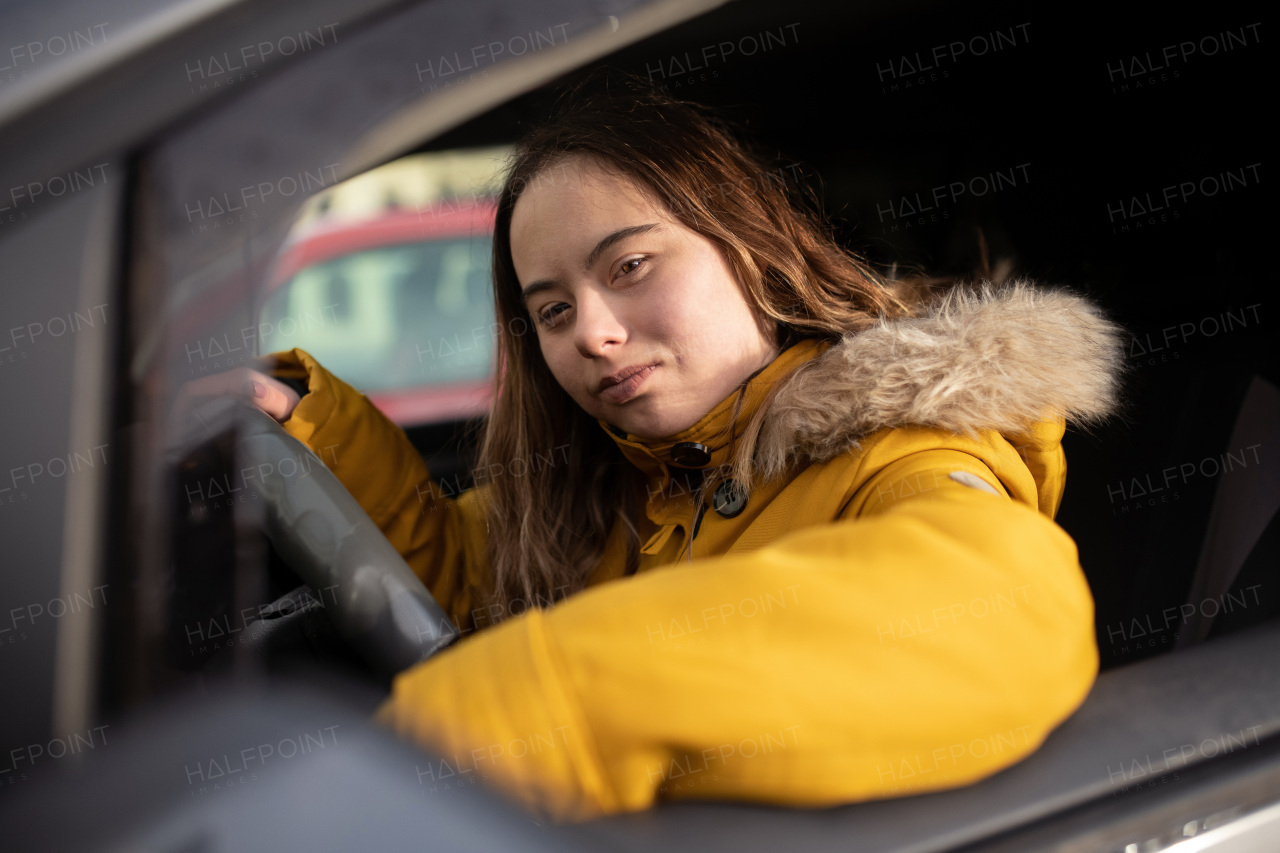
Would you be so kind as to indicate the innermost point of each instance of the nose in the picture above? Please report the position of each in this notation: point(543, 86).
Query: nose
point(597, 328)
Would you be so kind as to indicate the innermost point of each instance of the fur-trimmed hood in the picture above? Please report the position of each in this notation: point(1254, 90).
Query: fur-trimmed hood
point(997, 358)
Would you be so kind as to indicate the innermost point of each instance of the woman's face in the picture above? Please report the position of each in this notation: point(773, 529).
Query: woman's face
point(640, 319)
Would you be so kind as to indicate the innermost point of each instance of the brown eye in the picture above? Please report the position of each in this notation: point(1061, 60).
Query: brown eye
point(547, 316)
point(629, 266)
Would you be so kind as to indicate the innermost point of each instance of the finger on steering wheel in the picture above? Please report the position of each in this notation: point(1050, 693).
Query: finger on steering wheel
point(266, 393)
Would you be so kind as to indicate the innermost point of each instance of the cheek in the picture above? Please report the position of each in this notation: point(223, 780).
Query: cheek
point(700, 321)
point(559, 358)
point(676, 312)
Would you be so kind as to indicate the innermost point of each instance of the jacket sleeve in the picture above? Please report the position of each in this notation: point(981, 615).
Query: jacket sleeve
point(926, 643)
point(439, 537)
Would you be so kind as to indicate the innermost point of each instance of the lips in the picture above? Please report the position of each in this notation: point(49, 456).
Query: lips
point(626, 383)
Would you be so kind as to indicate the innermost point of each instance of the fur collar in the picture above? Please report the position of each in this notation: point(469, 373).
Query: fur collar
point(997, 358)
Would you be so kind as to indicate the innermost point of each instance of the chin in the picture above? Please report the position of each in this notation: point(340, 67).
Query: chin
point(653, 428)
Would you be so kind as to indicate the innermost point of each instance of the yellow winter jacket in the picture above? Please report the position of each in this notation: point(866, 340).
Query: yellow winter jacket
point(893, 610)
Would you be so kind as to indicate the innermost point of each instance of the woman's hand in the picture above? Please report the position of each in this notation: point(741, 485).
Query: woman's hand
point(270, 395)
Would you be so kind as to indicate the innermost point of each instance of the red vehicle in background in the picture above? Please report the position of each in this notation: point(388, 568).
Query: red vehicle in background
point(398, 305)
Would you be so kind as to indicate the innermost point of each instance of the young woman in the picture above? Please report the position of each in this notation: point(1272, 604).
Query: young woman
point(796, 526)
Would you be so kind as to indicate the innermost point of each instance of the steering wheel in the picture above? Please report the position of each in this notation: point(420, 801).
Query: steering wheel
point(375, 602)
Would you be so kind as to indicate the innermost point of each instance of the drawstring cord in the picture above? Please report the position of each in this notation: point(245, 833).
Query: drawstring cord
point(699, 508)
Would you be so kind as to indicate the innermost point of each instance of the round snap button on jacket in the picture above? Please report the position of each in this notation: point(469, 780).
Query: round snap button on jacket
point(729, 499)
point(689, 454)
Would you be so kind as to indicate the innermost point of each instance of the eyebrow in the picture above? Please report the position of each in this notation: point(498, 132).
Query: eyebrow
point(600, 248)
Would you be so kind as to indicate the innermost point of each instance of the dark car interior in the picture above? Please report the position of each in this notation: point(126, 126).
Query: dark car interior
point(929, 135)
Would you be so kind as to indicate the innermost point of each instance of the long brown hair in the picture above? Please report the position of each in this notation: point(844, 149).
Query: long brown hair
point(548, 526)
